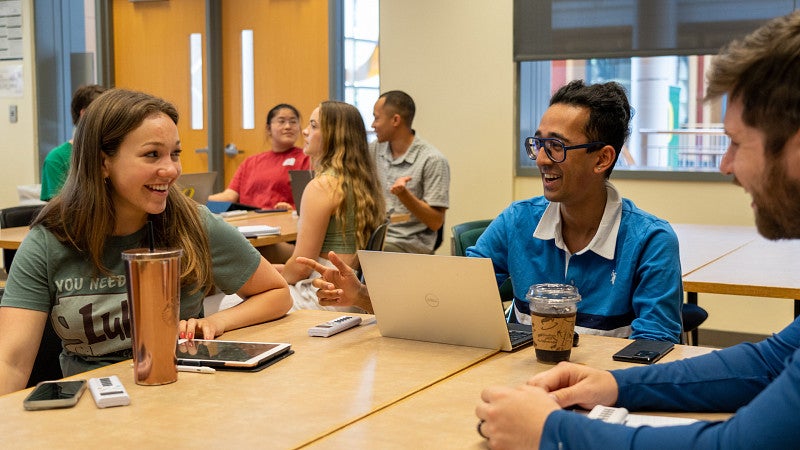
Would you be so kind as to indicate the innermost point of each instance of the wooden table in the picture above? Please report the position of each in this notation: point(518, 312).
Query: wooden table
point(11, 238)
point(761, 268)
point(443, 416)
point(702, 244)
point(287, 221)
point(327, 384)
point(354, 390)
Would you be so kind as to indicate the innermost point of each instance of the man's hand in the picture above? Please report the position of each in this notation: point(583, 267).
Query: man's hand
point(573, 384)
point(399, 186)
point(512, 418)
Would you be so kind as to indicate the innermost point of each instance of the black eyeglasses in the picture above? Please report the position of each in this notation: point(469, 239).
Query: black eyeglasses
point(554, 148)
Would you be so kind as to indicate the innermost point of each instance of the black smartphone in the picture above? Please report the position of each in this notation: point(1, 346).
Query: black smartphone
point(54, 394)
point(644, 351)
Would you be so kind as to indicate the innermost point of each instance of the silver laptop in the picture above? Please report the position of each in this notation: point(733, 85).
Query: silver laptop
point(298, 180)
point(198, 186)
point(447, 299)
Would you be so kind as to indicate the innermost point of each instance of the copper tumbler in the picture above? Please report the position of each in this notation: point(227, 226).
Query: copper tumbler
point(154, 298)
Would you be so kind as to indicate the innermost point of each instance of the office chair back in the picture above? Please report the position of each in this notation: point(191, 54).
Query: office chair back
point(692, 317)
point(378, 237)
point(439, 238)
point(16, 216)
point(466, 235)
point(375, 243)
point(46, 366)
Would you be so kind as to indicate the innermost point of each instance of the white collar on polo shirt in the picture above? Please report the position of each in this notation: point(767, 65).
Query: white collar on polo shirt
point(603, 243)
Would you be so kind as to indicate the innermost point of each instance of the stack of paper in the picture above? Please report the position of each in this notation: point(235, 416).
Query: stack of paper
point(258, 230)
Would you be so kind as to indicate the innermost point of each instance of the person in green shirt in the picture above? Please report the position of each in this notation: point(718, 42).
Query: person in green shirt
point(56, 164)
point(69, 269)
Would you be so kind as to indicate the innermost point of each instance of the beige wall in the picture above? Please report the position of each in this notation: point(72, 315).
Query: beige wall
point(18, 143)
point(455, 58)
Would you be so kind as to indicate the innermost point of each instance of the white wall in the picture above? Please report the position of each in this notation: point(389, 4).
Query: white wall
point(455, 58)
point(18, 160)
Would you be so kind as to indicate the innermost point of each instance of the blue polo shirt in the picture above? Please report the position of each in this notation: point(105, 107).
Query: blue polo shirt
point(629, 276)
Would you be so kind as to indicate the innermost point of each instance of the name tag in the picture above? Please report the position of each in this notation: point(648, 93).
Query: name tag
point(288, 162)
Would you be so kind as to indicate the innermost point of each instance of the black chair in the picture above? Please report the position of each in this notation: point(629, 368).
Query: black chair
point(439, 238)
point(46, 366)
point(375, 243)
point(378, 237)
point(692, 316)
point(465, 235)
point(16, 216)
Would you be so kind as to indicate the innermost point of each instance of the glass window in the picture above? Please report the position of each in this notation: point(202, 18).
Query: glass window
point(361, 49)
point(658, 50)
point(672, 129)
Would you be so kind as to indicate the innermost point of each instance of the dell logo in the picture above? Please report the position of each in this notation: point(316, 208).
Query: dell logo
point(432, 300)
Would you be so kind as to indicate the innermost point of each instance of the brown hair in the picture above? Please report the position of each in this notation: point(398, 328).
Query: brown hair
point(83, 215)
point(346, 154)
point(762, 71)
point(81, 99)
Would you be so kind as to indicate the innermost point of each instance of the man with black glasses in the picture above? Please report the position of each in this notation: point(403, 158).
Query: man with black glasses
point(623, 260)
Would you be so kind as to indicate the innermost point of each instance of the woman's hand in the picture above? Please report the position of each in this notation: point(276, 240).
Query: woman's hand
point(339, 285)
point(194, 328)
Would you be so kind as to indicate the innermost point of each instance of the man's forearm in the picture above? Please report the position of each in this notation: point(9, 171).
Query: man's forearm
point(427, 214)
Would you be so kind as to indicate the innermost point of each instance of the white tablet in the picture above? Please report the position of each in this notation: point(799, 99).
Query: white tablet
point(213, 353)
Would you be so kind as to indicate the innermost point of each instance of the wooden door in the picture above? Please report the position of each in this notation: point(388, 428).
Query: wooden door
point(290, 60)
point(151, 54)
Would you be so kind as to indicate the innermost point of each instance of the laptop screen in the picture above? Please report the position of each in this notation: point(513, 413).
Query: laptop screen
point(198, 186)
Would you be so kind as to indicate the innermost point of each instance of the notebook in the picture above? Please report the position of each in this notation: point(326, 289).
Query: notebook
point(299, 179)
point(198, 186)
point(447, 299)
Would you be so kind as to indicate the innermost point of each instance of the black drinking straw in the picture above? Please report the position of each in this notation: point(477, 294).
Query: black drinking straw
point(150, 235)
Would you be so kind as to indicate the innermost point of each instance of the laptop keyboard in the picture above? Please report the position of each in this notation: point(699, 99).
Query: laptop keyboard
point(520, 336)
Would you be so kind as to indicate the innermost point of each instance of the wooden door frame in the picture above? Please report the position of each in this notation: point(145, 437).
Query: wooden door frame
point(214, 83)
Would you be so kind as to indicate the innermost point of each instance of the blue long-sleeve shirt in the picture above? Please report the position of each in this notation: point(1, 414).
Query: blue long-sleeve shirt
point(760, 382)
point(637, 285)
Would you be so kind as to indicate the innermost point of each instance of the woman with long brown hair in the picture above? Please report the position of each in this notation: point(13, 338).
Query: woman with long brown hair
point(69, 268)
point(342, 205)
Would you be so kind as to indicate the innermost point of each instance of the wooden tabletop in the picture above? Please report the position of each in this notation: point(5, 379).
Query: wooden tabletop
point(761, 268)
point(702, 244)
point(353, 390)
point(287, 221)
point(11, 238)
point(443, 416)
point(327, 384)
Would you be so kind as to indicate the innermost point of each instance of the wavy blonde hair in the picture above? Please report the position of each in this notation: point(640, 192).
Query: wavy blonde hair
point(346, 154)
point(83, 216)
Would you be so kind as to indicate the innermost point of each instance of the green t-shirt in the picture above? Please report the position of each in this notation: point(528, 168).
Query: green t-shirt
point(54, 170)
point(90, 312)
